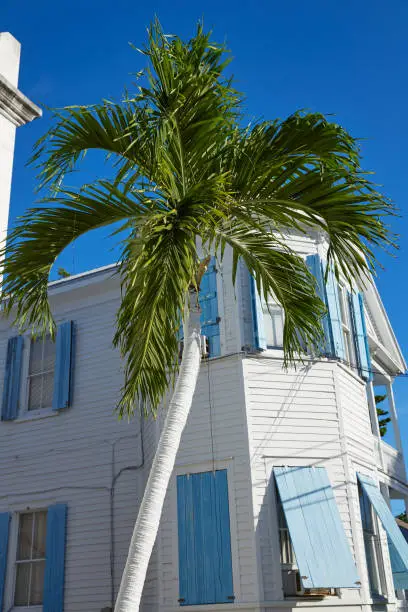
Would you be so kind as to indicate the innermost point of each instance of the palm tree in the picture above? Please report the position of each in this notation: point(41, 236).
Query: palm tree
point(190, 180)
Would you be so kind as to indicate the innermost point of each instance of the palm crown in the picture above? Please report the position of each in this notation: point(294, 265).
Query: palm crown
point(188, 171)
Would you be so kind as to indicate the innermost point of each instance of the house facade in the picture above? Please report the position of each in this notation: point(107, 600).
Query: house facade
point(280, 497)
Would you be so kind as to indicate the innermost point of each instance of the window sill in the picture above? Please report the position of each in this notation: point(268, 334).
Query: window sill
point(35, 415)
point(27, 608)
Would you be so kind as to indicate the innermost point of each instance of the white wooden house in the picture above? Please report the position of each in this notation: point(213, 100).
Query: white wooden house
point(280, 495)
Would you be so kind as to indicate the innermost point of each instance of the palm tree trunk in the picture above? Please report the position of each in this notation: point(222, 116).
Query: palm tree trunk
point(148, 520)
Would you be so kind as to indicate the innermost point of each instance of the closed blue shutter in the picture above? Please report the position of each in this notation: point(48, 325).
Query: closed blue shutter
point(314, 265)
point(64, 366)
point(205, 565)
point(209, 318)
point(12, 376)
point(259, 339)
point(4, 535)
point(322, 552)
point(397, 544)
point(360, 335)
point(55, 559)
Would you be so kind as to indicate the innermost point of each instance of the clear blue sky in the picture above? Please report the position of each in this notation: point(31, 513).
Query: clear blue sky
point(346, 58)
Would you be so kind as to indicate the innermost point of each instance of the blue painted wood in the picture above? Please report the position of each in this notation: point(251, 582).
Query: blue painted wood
point(4, 536)
point(55, 559)
point(259, 336)
point(205, 565)
point(333, 304)
point(397, 544)
point(322, 552)
point(360, 335)
point(12, 378)
point(315, 266)
point(64, 366)
point(209, 318)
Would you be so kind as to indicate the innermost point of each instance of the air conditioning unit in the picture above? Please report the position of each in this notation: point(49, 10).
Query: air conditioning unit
point(205, 348)
point(292, 586)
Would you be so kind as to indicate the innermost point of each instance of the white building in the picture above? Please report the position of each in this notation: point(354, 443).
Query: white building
point(265, 511)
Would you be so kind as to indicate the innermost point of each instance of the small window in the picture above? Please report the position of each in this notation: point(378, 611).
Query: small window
point(347, 327)
point(273, 322)
point(372, 545)
point(41, 373)
point(30, 560)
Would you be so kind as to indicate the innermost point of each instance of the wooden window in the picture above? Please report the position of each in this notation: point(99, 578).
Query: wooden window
point(350, 356)
point(372, 545)
point(273, 323)
point(30, 561)
point(41, 373)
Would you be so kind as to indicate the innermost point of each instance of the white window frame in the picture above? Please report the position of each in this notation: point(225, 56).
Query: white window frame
point(24, 413)
point(19, 508)
point(373, 540)
point(351, 359)
point(266, 306)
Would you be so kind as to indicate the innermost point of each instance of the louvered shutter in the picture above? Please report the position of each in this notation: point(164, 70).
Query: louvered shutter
point(259, 336)
point(209, 317)
point(12, 378)
point(55, 559)
point(360, 335)
point(64, 366)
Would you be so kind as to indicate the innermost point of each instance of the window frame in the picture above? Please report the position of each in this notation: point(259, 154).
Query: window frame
point(21, 508)
point(24, 413)
point(266, 306)
point(374, 538)
point(31, 561)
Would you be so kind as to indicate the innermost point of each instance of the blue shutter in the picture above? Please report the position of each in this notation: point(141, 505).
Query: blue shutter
point(4, 535)
point(360, 335)
point(64, 366)
point(12, 376)
point(333, 304)
point(328, 293)
point(314, 265)
point(209, 318)
point(397, 544)
point(259, 339)
point(205, 565)
point(55, 559)
point(322, 552)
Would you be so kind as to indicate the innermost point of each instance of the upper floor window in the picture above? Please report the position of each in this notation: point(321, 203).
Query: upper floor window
point(346, 324)
point(30, 561)
point(41, 373)
point(273, 322)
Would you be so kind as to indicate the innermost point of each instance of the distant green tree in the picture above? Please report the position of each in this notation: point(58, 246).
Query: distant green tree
point(63, 273)
point(382, 422)
point(403, 517)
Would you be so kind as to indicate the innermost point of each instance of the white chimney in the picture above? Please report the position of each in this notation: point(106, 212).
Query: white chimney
point(15, 110)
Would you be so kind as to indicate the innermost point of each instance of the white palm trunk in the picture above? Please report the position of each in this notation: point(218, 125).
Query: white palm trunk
point(148, 520)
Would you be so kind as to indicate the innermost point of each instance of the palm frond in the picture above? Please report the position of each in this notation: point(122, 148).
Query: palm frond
point(42, 233)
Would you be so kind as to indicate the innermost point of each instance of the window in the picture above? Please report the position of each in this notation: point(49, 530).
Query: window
point(292, 586)
point(273, 323)
point(372, 545)
point(346, 326)
point(30, 561)
point(41, 373)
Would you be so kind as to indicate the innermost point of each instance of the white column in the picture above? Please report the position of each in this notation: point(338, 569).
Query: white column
point(15, 110)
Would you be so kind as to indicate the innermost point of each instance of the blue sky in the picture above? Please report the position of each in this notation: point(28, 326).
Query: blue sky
point(344, 58)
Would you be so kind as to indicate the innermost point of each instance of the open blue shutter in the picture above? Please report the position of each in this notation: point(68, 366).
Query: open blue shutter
point(205, 565)
point(259, 340)
point(209, 318)
point(360, 335)
point(55, 559)
point(333, 305)
point(397, 544)
point(64, 365)
point(4, 535)
point(322, 552)
point(12, 376)
point(314, 265)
